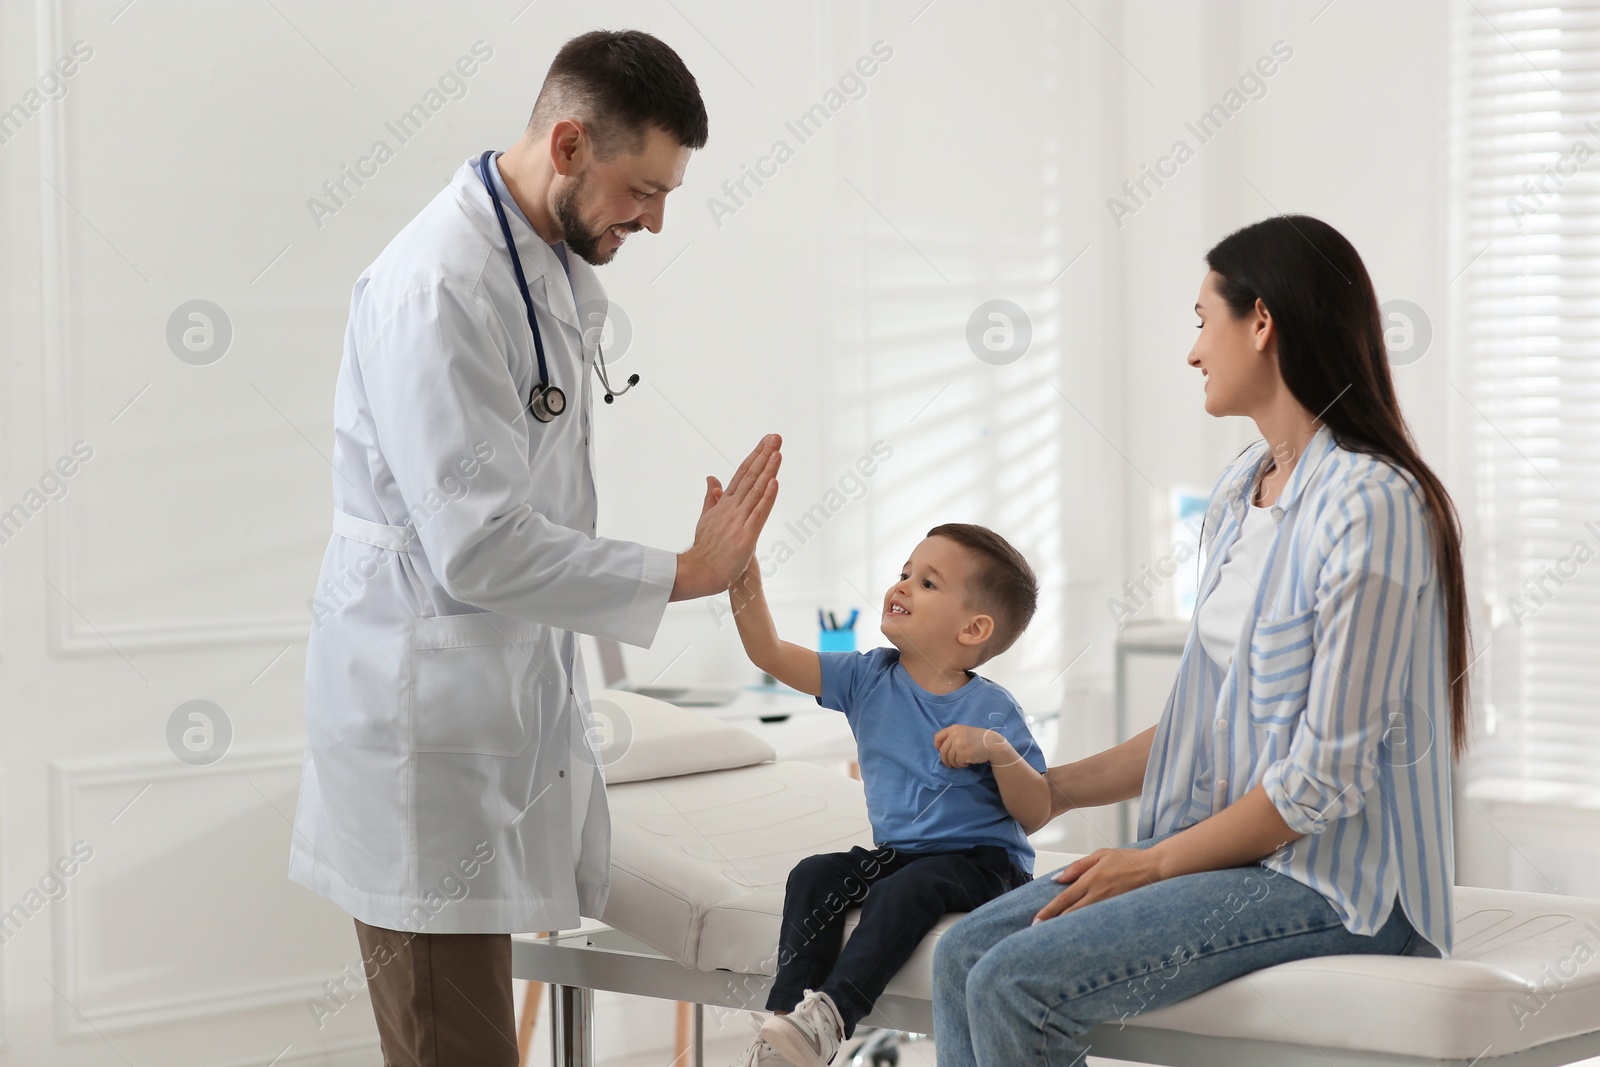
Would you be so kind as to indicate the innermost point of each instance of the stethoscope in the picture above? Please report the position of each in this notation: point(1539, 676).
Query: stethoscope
point(547, 400)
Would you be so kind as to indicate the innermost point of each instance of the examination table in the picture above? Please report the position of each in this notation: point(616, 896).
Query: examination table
point(706, 827)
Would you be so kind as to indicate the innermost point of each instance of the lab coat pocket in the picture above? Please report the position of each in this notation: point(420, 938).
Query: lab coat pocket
point(477, 681)
point(1281, 651)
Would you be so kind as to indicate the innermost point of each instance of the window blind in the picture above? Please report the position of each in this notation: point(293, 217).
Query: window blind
point(1530, 96)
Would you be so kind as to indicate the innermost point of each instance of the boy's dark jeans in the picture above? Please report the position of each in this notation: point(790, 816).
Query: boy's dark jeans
point(902, 895)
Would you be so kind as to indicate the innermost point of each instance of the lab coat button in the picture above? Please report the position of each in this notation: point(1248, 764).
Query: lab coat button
point(1222, 722)
point(1222, 787)
point(1277, 514)
point(1230, 660)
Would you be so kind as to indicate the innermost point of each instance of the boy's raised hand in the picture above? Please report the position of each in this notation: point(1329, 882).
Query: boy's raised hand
point(961, 746)
point(747, 586)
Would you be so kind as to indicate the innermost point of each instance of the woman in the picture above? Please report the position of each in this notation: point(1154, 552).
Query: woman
point(1295, 796)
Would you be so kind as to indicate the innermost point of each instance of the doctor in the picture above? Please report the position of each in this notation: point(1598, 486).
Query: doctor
point(450, 795)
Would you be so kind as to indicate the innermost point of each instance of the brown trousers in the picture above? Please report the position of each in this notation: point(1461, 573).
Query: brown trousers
point(441, 1000)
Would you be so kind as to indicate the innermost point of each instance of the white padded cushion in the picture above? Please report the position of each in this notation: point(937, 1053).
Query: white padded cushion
point(661, 740)
point(1503, 991)
point(699, 864)
point(710, 850)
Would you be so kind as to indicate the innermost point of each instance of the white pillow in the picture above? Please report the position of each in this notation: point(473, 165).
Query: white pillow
point(641, 738)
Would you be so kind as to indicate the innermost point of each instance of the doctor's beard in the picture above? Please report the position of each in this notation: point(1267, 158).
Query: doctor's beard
point(580, 239)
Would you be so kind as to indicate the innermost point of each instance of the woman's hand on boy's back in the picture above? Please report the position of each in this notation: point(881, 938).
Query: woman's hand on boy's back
point(961, 746)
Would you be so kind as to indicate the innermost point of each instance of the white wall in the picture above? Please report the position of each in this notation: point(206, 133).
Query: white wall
point(1351, 128)
point(831, 306)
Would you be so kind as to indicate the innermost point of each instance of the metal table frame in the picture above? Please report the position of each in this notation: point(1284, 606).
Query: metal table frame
point(577, 964)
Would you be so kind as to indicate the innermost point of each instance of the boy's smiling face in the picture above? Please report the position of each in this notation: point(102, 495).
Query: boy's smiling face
point(926, 613)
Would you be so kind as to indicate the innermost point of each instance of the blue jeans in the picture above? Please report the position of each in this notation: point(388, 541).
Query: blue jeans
point(1008, 992)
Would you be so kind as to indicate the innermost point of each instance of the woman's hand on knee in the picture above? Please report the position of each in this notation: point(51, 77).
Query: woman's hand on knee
point(1102, 874)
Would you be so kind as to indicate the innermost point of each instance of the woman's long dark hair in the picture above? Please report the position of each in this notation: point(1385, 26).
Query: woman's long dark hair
point(1332, 357)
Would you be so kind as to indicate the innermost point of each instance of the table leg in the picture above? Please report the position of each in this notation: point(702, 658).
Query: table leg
point(572, 1026)
point(530, 1015)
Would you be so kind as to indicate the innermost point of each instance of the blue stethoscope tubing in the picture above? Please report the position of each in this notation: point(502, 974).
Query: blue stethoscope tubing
point(547, 400)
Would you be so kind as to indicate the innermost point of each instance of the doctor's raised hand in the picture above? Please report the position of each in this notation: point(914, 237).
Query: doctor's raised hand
point(730, 521)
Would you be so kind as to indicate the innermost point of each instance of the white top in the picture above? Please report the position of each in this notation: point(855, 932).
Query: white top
point(1223, 613)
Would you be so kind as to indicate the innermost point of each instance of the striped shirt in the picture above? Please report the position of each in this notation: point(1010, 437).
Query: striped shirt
point(1335, 698)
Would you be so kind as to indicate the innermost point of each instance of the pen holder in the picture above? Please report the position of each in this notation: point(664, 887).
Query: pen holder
point(836, 641)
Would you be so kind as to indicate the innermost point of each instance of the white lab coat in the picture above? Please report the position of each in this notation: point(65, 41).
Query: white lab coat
point(450, 785)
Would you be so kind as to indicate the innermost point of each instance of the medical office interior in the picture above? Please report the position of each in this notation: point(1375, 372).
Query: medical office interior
point(949, 250)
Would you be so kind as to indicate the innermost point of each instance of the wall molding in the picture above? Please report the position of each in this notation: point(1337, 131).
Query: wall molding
point(349, 1052)
point(69, 633)
point(68, 780)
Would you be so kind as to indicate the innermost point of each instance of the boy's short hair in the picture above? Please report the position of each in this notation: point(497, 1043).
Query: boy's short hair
point(1003, 586)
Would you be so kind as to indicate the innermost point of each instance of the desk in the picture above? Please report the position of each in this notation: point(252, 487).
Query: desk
point(792, 722)
point(767, 701)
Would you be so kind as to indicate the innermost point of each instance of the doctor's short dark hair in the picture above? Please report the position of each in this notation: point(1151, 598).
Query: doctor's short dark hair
point(618, 82)
point(1003, 586)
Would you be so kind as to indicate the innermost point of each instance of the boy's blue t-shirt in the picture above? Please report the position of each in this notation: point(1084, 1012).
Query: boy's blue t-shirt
point(914, 801)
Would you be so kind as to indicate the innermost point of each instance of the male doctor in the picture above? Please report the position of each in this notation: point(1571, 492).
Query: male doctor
point(450, 795)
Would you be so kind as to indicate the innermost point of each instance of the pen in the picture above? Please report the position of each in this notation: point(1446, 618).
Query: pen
point(833, 623)
point(851, 623)
point(822, 624)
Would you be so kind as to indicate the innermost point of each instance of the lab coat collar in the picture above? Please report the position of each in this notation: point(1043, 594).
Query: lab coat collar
point(590, 312)
point(540, 264)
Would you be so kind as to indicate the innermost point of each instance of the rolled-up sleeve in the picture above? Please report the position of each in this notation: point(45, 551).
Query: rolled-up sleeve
point(1368, 596)
point(436, 374)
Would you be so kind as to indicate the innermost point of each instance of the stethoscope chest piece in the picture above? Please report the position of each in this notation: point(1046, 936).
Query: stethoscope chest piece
point(548, 402)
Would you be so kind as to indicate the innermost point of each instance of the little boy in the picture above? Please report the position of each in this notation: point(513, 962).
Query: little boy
point(950, 833)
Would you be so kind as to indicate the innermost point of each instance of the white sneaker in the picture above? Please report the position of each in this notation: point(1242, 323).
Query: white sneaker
point(760, 1054)
point(810, 1035)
